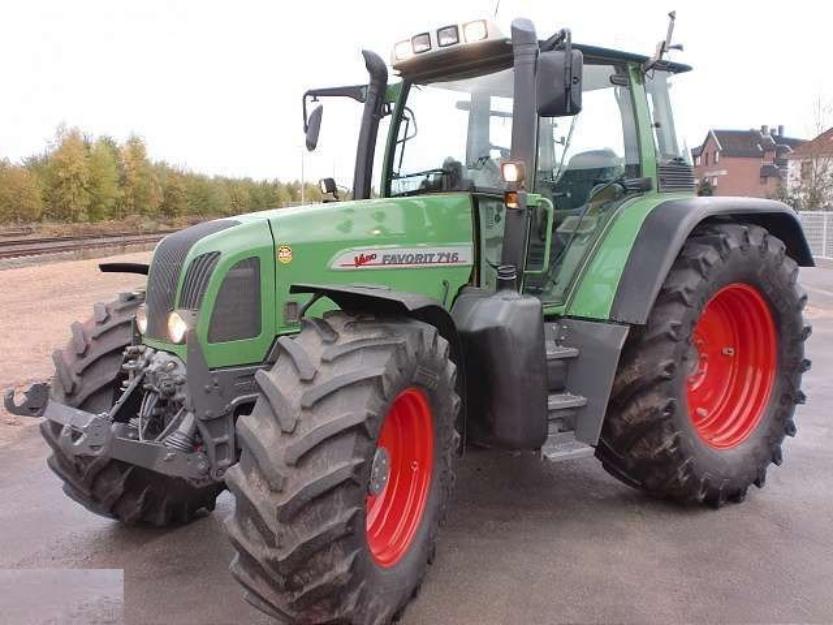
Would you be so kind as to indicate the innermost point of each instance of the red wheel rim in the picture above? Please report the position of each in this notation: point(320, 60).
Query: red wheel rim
point(394, 514)
point(733, 366)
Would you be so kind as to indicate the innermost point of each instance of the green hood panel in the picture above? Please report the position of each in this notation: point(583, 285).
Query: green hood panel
point(417, 244)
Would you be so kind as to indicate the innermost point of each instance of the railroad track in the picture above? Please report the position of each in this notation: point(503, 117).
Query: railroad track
point(17, 248)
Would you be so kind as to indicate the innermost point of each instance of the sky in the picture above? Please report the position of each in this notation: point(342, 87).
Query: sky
point(216, 86)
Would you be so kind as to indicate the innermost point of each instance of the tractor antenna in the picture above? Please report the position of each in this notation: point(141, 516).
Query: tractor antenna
point(664, 46)
point(497, 8)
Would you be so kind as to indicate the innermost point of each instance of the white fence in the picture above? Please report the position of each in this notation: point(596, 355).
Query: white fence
point(818, 228)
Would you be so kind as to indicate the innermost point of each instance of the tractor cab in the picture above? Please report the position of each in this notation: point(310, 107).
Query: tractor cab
point(589, 128)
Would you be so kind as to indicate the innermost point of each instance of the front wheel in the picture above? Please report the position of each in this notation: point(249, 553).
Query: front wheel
point(345, 470)
point(706, 391)
point(89, 376)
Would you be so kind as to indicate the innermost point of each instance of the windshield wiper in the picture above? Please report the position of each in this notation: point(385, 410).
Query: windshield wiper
point(414, 174)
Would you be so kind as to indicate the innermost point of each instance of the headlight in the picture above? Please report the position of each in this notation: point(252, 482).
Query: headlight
point(476, 31)
point(177, 327)
point(513, 171)
point(142, 319)
point(448, 36)
point(421, 43)
point(403, 50)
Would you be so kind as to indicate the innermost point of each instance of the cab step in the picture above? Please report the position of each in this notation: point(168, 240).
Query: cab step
point(564, 446)
point(564, 401)
point(561, 444)
point(559, 352)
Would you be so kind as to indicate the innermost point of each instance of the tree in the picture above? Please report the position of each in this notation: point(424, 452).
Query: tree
point(174, 192)
point(141, 193)
point(81, 178)
point(205, 196)
point(705, 187)
point(814, 187)
point(783, 193)
point(104, 180)
point(68, 178)
point(20, 194)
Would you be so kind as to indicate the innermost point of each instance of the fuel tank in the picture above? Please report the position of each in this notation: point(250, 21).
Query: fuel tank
point(503, 340)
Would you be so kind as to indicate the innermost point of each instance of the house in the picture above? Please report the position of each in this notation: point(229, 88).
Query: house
point(744, 162)
point(810, 171)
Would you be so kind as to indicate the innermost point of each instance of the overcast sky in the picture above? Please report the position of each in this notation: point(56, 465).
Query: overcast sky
point(216, 86)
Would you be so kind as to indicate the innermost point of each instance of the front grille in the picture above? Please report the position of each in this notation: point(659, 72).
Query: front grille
point(675, 177)
point(165, 269)
point(196, 280)
point(236, 312)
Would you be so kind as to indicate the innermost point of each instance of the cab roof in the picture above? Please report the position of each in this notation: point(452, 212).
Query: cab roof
point(497, 54)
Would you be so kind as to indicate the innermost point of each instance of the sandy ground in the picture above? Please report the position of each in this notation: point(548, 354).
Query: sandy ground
point(526, 543)
point(38, 305)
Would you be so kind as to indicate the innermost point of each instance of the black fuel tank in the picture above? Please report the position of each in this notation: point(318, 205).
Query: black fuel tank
point(506, 375)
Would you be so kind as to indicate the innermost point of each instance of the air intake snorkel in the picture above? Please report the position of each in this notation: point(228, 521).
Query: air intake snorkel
point(373, 111)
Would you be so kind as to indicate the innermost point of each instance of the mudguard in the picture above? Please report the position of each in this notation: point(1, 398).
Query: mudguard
point(381, 299)
point(666, 229)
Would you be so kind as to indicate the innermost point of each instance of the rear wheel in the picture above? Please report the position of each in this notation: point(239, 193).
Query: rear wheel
point(345, 470)
point(706, 391)
point(88, 376)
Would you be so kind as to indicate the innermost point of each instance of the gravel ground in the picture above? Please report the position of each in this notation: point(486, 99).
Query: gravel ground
point(526, 542)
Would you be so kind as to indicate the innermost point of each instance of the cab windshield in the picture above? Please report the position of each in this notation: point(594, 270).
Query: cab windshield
point(453, 135)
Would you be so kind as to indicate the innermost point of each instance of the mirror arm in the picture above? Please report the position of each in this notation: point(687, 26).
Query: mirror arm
point(354, 92)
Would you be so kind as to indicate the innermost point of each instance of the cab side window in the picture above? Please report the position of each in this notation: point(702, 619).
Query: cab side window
point(578, 159)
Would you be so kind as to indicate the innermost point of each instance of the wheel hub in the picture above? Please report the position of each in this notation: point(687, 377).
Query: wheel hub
point(379, 471)
point(732, 364)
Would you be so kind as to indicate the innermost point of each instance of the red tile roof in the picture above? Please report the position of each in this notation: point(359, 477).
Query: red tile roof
point(820, 146)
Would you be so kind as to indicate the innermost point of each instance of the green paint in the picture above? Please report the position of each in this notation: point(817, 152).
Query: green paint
point(252, 238)
point(594, 287)
point(645, 129)
point(593, 293)
point(318, 235)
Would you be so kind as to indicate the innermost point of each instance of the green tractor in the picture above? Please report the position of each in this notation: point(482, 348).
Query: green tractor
point(536, 275)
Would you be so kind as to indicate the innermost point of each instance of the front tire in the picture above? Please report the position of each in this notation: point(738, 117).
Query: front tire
point(706, 391)
point(345, 470)
point(88, 376)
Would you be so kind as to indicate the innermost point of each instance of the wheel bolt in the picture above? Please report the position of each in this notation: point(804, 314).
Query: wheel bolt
point(728, 351)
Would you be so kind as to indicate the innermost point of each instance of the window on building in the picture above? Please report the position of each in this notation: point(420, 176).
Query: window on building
point(696, 161)
point(806, 170)
point(706, 158)
point(716, 157)
point(714, 181)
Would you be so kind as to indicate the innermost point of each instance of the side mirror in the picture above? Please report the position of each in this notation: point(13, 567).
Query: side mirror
point(313, 127)
point(559, 83)
point(328, 186)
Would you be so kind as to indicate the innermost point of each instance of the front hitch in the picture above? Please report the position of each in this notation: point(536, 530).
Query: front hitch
point(34, 402)
point(84, 434)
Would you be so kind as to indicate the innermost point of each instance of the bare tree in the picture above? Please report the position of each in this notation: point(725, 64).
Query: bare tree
point(814, 187)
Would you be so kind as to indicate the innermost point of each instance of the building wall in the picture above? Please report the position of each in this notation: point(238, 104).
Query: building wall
point(733, 175)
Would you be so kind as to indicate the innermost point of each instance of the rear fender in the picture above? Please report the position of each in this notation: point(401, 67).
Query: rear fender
point(665, 230)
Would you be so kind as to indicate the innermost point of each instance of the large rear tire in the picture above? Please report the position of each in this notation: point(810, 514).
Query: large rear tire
point(345, 470)
point(706, 391)
point(88, 376)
